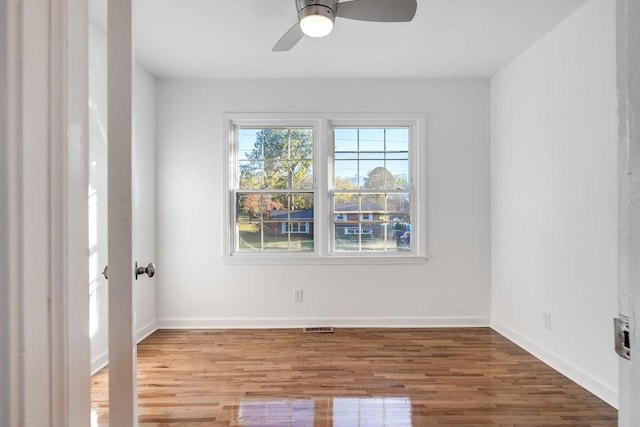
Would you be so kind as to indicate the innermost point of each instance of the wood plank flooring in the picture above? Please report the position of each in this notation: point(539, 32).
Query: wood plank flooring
point(354, 377)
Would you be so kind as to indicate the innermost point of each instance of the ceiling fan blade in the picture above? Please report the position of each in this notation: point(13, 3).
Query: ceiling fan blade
point(378, 10)
point(289, 39)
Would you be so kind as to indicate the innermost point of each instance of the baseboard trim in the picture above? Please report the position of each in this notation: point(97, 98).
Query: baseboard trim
point(99, 362)
point(336, 322)
point(147, 330)
point(561, 365)
point(102, 360)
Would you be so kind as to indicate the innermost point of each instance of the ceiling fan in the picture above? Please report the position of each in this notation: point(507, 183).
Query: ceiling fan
point(316, 17)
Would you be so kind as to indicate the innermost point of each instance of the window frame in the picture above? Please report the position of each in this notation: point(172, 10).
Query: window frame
point(323, 125)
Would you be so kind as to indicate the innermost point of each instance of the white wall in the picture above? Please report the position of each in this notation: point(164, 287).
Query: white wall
point(98, 182)
point(195, 287)
point(553, 185)
point(144, 93)
point(144, 177)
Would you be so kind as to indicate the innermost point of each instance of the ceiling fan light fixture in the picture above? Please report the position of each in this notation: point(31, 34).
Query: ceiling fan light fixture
point(316, 25)
point(316, 17)
point(316, 20)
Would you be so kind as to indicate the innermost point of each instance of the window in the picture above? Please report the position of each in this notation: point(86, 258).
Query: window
point(366, 216)
point(295, 227)
point(325, 187)
point(340, 217)
point(371, 184)
point(275, 188)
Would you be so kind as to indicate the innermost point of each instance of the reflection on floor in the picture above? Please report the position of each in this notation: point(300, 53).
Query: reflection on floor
point(371, 411)
point(342, 412)
point(347, 412)
point(337, 412)
point(94, 417)
point(276, 412)
point(355, 377)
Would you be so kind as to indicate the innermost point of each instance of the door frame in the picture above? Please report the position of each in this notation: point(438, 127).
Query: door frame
point(44, 344)
point(628, 61)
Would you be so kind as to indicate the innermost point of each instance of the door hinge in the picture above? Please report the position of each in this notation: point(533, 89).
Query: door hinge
point(623, 339)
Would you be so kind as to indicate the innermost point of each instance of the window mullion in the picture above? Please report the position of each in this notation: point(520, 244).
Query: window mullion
point(322, 180)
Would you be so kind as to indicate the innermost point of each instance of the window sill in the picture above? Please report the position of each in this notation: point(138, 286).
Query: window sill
point(288, 259)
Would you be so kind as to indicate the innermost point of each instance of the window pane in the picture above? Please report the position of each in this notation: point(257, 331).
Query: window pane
point(274, 144)
point(293, 207)
point(346, 174)
point(371, 222)
point(247, 143)
point(274, 221)
point(303, 201)
point(351, 155)
point(259, 206)
point(397, 139)
point(398, 204)
point(399, 155)
point(251, 174)
point(373, 175)
point(376, 239)
point(346, 203)
point(301, 174)
point(275, 202)
point(276, 236)
point(371, 156)
point(373, 202)
point(301, 144)
point(398, 174)
point(276, 175)
point(371, 140)
point(286, 236)
point(249, 237)
point(402, 235)
point(346, 139)
point(279, 158)
point(347, 236)
point(248, 207)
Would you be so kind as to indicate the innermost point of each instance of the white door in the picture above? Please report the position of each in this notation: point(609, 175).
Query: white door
point(122, 327)
point(122, 341)
point(123, 268)
point(121, 207)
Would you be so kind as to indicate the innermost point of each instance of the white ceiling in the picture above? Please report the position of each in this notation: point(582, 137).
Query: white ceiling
point(233, 39)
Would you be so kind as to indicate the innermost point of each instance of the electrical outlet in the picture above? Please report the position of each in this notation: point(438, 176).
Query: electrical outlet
point(547, 320)
point(298, 296)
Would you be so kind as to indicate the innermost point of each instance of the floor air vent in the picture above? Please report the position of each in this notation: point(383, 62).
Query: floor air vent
point(318, 330)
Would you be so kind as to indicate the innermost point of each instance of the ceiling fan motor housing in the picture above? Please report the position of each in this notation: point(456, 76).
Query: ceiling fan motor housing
point(317, 7)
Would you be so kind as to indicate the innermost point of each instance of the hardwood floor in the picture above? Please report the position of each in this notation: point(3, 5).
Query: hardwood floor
point(355, 377)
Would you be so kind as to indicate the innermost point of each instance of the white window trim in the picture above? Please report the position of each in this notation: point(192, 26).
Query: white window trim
point(323, 124)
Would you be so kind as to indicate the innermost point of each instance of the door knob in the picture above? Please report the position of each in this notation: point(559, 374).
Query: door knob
point(149, 270)
point(105, 272)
